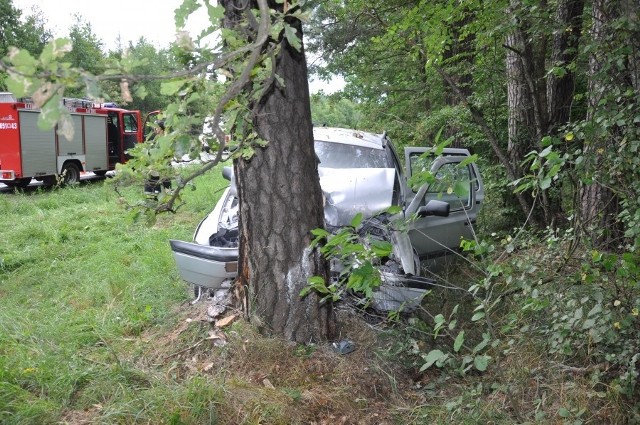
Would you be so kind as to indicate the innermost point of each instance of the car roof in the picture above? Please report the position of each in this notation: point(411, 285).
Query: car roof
point(349, 137)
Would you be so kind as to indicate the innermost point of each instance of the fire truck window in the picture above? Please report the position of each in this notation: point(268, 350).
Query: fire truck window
point(130, 124)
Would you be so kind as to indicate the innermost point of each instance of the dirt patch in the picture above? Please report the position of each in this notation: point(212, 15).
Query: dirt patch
point(81, 417)
point(269, 378)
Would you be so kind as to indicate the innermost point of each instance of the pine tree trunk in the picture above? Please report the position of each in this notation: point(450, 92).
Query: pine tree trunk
point(280, 203)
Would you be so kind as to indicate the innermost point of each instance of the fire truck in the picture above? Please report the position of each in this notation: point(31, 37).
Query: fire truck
point(102, 134)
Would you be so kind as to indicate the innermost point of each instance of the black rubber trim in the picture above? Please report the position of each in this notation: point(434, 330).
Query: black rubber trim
point(223, 255)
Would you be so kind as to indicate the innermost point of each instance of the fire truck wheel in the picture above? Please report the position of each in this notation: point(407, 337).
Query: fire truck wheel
point(70, 173)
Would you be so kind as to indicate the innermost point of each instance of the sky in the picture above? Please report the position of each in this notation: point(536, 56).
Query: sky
point(128, 19)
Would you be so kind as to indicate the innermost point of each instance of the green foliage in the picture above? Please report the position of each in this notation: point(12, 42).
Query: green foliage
point(27, 33)
point(334, 111)
point(387, 55)
point(356, 253)
point(78, 283)
point(582, 308)
point(604, 305)
point(544, 168)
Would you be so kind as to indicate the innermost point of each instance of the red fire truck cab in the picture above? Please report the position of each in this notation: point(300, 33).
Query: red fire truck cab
point(102, 135)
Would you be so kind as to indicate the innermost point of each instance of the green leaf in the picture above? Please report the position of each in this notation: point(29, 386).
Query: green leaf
point(305, 291)
point(589, 323)
point(461, 189)
point(481, 362)
point(19, 85)
point(316, 283)
point(320, 232)
point(482, 344)
point(50, 113)
point(381, 248)
point(545, 183)
point(355, 221)
point(479, 315)
point(292, 37)
point(468, 160)
point(563, 413)
point(545, 152)
point(170, 88)
point(458, 342)
point(394, 209)
point(431, 358)
point(215, 12)
point(141, 92)
point(184, 10)
point(55, 49)
point(23, 60)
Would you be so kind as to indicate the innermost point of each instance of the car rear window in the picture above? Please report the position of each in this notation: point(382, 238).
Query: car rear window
point(339, 155)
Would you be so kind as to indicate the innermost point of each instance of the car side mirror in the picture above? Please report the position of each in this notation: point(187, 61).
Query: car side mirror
point(434, 208)
point(227, 173)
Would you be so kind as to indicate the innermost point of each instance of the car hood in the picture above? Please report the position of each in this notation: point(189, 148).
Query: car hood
point(348, 191)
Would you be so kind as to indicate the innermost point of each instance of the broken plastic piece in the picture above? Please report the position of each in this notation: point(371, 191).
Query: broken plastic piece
point(343, 347)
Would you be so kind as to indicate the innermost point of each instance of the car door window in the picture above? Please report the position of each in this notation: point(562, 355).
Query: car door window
point(453, 185)
point(420, 170)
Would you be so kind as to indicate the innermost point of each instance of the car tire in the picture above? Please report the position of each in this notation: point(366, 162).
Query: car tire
point(70, 173)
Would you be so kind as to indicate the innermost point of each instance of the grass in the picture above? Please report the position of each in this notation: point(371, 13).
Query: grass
point(79, 280)
point(95, 328)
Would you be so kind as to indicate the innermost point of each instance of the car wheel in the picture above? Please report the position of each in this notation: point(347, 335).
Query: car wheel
point(70, 173)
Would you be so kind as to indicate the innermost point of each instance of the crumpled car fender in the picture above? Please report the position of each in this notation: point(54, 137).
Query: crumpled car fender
point(403, 250)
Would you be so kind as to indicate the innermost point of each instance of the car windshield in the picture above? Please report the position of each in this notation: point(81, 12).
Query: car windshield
point(340, 155)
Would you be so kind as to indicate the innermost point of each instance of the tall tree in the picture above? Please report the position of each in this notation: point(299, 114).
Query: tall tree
point(29, 33)
point(87, 53)
point(146, 59)
point(540, 96)
point(609, 190)
point(279, 192)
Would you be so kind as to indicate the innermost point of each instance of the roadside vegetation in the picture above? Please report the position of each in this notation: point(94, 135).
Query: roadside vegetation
point(96, 327)
point(538, 323)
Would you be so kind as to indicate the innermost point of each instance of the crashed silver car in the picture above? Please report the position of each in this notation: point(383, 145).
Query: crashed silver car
point(361, 172)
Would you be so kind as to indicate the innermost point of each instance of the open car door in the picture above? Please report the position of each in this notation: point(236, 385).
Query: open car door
point(445, 178)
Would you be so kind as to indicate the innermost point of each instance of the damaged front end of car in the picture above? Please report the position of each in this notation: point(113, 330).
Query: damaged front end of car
point(373, 260)
point(358, 207)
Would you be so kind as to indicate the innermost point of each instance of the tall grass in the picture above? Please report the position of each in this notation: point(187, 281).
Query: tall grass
point(79, 281)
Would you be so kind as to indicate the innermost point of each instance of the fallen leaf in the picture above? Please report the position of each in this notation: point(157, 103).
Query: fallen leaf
point(225, 321)
point(268, 384)
point(207, 367)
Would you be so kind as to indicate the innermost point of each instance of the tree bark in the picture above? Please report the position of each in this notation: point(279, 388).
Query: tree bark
point(561, 86)
point(520, 124)
point(599, 206)
point(280, 203)
point(540, 106)
point(525, 119)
